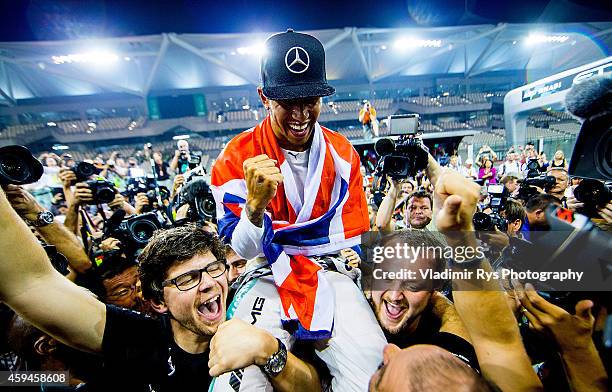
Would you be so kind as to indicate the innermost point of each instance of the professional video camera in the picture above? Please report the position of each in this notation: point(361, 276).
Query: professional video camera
point(103, 191)
point(18, 166)
point(534, 179)
point(487, 222)
point(407, 155)
point(134, 232)
point(83, 171)
point(594, 194)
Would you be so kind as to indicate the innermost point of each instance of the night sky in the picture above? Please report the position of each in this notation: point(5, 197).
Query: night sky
point(28, 20)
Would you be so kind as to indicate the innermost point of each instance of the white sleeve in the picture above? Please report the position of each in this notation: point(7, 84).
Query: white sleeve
point(247, 238)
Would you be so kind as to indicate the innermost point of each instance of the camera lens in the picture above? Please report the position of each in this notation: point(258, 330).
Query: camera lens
point(85, 170)
point(396, 166)
point(142, 231)
point(209, 207)
point(18, 166)
point(105, 195)
point(384, 147)
point(592, 192)
point(482, 221)
point(11, 166)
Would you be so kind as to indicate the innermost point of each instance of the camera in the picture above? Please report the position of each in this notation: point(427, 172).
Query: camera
point(134, 232)
point(18, 166)
point(196, 193)
point(148, 186)
point(406, 156)
point(498, 194)
point(194, 160)
point(83, 171)
point(533, 179)
point(594, 194)
point(487, 222)
point(103, 191)
point(57, 259)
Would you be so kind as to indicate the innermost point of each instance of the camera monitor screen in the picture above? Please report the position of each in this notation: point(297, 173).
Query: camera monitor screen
point(404, 124)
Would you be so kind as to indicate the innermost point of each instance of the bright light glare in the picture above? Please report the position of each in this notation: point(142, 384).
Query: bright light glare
point(405, 43)
point(258, 49)
point(180, 137)
point(99, 57)
point(60, 147)
point(537, 38)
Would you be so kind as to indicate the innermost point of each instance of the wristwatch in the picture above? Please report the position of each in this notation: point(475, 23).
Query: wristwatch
point(277, 361)
point(43, 218)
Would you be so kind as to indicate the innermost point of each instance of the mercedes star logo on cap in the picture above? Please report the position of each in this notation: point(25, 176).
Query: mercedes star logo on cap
point(299, 60)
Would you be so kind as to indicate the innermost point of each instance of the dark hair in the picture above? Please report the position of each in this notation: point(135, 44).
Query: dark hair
point(421, 194)
point(540, 201)
point(169, 247)
point(514, 210)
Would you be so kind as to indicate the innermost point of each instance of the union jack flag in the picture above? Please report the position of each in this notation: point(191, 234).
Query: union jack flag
point(331, 217)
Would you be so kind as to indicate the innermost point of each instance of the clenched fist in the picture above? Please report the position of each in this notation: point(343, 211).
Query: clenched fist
point(262, 177)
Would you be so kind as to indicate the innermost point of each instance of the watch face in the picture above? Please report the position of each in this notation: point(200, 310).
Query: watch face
point(46, 217)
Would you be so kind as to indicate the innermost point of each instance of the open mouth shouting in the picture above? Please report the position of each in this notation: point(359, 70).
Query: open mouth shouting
point(210, 310)
point(394, 311)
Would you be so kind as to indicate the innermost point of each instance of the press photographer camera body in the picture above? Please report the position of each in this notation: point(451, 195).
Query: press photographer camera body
point(196, 194)
point(157, 195)
point(498, 196)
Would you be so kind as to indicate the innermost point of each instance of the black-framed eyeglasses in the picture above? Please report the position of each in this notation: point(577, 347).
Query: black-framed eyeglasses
point(191, 279)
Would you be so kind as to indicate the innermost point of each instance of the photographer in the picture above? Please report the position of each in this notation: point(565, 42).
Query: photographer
point(180, 161)
point(510, 182)
point(536, 218)
point(367, 118)
point(561, 183)
point(51, 231)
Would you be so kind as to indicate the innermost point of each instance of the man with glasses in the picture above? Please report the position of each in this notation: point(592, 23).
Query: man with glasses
point(182, 272)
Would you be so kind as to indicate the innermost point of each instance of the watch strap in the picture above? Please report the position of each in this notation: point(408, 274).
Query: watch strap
point(40, 222)
point(277, 361)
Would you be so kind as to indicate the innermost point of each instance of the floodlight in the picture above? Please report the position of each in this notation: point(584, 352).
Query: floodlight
point(411, 42)
point(255, 49)
point(96, 57)
point(539, 38)
point(180, 137)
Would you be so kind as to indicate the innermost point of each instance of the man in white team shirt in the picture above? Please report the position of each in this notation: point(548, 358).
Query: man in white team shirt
point(355, 348)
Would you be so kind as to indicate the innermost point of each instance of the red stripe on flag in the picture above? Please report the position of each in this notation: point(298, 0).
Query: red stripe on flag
point(300, 288)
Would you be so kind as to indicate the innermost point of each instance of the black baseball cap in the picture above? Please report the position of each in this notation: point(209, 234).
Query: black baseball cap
point(293, 67)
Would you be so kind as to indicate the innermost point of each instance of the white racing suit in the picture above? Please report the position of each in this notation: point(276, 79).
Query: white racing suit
point(352, 354)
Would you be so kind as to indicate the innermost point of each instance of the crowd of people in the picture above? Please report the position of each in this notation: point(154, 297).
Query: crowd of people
point(142, 274)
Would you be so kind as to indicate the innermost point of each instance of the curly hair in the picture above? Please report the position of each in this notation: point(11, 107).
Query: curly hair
point(170, 247)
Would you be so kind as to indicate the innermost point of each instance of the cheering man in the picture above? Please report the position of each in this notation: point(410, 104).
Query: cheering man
point(290, 191)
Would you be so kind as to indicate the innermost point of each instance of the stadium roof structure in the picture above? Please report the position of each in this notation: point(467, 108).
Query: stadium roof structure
point(148, 65)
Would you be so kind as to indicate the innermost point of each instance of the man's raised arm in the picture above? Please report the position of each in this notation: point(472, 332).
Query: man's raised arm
point(33, 288)
point(262, 176)
point(481, 303)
